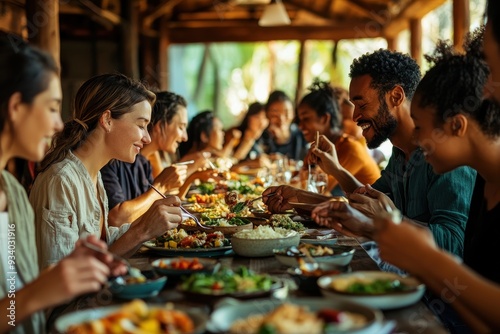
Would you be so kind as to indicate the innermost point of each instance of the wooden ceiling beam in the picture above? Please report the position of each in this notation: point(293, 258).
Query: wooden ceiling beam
point(300, 5)
point(251, 24)
point(328, 5)
point(260, 34)
point(96, 10)
point(372, 12)
point(164, 8)
point(414, 10)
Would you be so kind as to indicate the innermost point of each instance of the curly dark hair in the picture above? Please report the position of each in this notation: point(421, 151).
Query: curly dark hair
point(322, 98)
point(166, 107)
point(455, 84)
point(388, 69)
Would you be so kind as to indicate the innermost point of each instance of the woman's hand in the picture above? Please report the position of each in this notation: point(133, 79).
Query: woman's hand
point(116, 268)
point(83, 271)
point(165, 214)
point(403, 244)
point(171, 177)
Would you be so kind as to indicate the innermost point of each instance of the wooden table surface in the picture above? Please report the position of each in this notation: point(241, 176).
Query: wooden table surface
point(413, 319)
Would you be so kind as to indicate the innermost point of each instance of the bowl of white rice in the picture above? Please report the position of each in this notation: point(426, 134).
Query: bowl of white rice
point(261, 241)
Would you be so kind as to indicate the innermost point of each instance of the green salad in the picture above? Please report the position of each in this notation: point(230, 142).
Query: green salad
point(284, 221)
point(227, 281)
point(234, 221)
point(376, 287)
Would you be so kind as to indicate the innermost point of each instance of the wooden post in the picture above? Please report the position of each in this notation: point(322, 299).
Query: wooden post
point(391, 43)
point(150, 61)
point(272, 66)
point(43, 26)
point(13, 18)
point(416, 40)
point(461, 22)
point(163, 55)
point(300, 72)
point(130, 38)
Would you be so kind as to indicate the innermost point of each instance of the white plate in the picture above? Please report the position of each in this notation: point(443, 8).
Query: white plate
point(64, 322)
point(381, 301)
point(223, 317)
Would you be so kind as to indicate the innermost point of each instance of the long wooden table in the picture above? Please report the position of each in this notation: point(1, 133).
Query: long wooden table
point(413, 319)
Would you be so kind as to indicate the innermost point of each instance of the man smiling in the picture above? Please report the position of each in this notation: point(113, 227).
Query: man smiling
point(381, 88)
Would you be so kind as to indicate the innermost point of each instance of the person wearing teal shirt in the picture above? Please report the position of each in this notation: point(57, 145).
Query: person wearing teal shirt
point(381, 89)
point(441, 202)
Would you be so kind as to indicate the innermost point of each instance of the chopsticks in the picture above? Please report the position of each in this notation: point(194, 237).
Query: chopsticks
point(106, 252)
point(260, 197)
point(182, 163)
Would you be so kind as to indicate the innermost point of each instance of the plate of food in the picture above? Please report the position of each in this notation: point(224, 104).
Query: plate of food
point(132, 317)
point(322, 237)
point(182, 266)
point(227, 225)
point(304, 315)
point(286, 222)
point(377, 289)
point(241, 283)
point(196, 244)
point(334, 254)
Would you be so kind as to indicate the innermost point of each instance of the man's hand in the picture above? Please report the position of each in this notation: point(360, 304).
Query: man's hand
point(370, 201)
point(343, 218)
point(277, 198)
point(324, 155)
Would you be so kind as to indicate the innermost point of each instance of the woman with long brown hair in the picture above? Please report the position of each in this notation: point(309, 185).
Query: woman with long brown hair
point(111, 115)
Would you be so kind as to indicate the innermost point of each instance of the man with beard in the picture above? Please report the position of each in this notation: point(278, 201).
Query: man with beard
point(381, 88)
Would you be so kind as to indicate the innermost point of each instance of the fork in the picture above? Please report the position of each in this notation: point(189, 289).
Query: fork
point(193, 217)
point(186, 212)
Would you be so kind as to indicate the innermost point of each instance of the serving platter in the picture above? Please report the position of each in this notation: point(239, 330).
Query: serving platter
point(189, 252)
point(158, 267)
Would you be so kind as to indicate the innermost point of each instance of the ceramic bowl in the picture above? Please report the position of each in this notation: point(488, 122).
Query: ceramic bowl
point(150, 288)
point(308, 282)
point(263, 247)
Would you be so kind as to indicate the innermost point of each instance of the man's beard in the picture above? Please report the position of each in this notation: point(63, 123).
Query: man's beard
point(386, 126)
